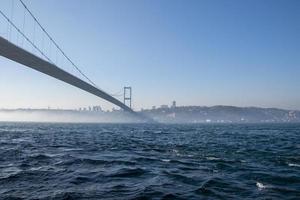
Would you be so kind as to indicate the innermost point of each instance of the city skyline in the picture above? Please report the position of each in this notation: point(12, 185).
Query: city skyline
point(242, 54)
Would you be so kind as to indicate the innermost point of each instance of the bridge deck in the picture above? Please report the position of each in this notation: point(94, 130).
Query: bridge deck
point(19, 55)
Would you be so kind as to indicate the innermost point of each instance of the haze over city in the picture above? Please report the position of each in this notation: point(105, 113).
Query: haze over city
point(244, 53)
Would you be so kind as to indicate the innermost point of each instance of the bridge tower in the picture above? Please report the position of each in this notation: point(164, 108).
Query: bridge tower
point(127, 95)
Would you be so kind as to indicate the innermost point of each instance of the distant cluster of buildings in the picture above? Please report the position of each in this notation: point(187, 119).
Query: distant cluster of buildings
point(99, 109)
point(173, 105)
point(91, 109)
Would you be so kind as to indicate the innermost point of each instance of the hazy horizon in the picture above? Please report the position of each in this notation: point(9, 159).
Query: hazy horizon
point(163, 114)
point(146, 108)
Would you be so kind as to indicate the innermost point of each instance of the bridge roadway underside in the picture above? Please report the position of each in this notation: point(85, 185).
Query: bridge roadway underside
point(19, 55)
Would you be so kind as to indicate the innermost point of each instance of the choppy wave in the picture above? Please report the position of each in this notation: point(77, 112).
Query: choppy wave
point(130, 161)
point(294, 165)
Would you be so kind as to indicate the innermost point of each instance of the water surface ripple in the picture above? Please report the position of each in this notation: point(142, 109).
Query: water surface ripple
point(136, 161)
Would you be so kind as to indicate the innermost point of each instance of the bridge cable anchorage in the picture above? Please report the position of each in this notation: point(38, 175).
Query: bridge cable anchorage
point(12, 24)
point(56, 45)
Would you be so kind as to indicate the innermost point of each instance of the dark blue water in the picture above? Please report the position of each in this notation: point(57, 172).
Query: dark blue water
point(102, 161)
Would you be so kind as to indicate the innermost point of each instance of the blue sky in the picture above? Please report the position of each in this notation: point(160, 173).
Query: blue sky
point(242, 53)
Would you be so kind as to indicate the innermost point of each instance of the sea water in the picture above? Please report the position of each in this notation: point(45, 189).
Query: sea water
point(149, 161)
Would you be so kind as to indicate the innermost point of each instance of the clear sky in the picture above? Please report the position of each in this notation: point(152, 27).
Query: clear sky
point(226, 52)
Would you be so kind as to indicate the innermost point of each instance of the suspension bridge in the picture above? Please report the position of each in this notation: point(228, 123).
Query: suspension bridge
point(20, 44)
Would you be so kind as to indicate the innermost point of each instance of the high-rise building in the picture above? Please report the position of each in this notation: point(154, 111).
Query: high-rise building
point(97, 108)
point(173, 104)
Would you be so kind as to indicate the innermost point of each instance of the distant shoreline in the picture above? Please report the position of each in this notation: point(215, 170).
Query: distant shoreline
point(182, 114)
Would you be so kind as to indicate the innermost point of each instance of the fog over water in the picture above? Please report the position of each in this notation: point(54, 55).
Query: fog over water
point(183, 114)
point(65, 116)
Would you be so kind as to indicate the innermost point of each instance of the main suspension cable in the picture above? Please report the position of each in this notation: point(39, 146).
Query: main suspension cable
point(56, 45)
point(10, 22)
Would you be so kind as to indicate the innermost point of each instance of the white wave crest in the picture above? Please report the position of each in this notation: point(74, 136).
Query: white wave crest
point(293, 165)
point(260, 185)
